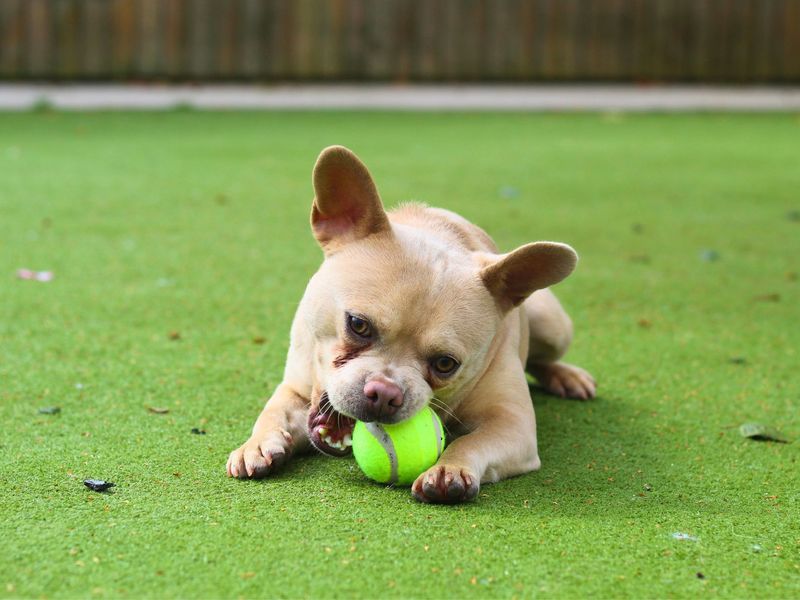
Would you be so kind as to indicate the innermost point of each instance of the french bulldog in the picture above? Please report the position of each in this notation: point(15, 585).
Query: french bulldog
point(411, 308)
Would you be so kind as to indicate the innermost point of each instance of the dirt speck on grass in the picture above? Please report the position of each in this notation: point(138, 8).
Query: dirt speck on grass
point(772, 297)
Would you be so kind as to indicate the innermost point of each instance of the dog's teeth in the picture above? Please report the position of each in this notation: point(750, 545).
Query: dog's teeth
point(348, 440)
point(327, 439)
point(323, 431)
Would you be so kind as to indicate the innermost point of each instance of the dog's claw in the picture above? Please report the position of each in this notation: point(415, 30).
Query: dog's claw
point(254, 459)
point(445, 485)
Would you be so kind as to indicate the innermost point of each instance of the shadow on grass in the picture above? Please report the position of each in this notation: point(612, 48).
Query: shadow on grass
point(598, 461)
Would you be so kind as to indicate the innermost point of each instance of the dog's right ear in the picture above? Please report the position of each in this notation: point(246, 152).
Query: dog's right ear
point(346, 203)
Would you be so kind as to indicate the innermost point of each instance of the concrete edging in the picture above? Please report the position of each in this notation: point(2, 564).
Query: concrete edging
point(19, 97)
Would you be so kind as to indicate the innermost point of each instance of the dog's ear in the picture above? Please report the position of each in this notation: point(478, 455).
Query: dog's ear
point(513, 277)
point(346, 203)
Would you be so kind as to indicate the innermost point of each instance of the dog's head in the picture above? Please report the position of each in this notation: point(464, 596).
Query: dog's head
point(400, 318)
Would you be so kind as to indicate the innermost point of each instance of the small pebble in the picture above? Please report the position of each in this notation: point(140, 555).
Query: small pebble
point(98, 485)
point(509, 192)
point(648, 487)
point(709, 255)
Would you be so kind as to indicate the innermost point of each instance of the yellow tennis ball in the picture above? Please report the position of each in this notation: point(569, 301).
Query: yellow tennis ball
point(399, 453)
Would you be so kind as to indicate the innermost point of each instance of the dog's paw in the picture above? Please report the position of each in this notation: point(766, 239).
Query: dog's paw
point(257, 458)
point(444, 484)
point(565, 380)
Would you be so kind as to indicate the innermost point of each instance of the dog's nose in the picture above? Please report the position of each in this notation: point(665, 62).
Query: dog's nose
point(383, 398)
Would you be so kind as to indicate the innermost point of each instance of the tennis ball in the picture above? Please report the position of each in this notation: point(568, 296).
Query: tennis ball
point(399, 453)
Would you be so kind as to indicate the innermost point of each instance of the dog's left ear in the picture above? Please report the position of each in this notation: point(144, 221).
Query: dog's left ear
point(347, 206)
point(516, 275)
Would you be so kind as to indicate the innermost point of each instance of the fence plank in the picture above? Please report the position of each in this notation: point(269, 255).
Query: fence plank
point(38, 47)
point(11, 37)
point(791, 41)
point(95, 56)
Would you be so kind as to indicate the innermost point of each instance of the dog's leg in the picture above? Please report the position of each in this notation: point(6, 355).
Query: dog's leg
point(550, 335)
point(279, 430)
point(501, 441)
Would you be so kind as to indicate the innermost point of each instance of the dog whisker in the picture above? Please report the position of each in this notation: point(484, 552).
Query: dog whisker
point(437, 403)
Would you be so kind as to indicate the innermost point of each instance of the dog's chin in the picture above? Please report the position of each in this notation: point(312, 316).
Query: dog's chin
point(330, 431)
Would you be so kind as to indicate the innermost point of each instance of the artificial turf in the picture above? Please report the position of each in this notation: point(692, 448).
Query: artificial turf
point(195, 225)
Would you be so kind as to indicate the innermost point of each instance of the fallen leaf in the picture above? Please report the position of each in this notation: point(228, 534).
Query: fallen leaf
point(644, 323)
point(174, 335)
point(761, 433)
point(259, 340)
point(27, 274)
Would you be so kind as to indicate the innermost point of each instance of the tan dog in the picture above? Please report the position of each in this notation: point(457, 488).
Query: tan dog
point(411, 308)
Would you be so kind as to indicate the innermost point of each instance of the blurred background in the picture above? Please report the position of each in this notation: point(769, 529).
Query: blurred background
point(633, 41)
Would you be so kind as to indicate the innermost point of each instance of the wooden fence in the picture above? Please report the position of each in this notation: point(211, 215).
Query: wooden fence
point(402, 40)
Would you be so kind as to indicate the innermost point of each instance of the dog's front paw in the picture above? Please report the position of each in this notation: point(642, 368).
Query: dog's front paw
point(258, 457)
point(444, 484)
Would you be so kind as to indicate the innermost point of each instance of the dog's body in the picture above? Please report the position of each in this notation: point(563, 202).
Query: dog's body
point(410, 308)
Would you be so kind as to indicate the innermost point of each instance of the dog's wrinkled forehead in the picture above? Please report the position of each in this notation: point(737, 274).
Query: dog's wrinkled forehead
point(412, 287)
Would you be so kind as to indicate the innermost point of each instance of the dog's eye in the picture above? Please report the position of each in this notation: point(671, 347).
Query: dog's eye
point(359, 326)
point(444, 365)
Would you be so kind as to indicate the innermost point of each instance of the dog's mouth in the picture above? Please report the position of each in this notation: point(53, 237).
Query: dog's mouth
point(330, 431)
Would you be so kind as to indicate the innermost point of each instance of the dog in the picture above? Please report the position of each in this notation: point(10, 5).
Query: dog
point(411, 308)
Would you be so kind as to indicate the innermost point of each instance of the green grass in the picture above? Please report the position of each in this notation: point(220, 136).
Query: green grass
point(198, 223)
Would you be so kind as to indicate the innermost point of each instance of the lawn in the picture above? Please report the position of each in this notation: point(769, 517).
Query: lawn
point(180, 247)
